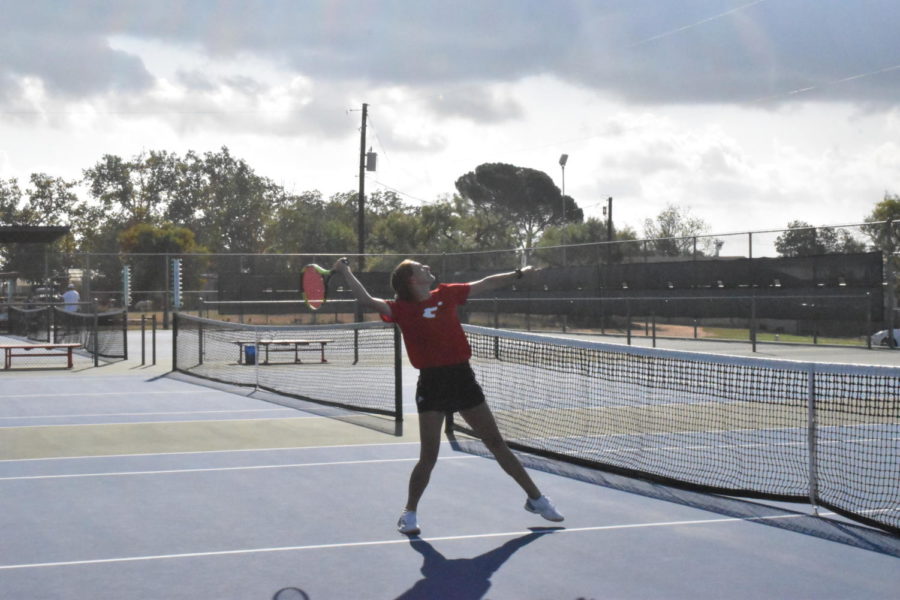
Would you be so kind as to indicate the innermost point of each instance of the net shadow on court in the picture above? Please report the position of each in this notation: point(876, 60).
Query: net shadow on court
point(371, 421)
point(770, 515)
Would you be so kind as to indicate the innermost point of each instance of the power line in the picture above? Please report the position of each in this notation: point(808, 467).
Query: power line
point(402, 193)
point(692, 25)
point(810, 88)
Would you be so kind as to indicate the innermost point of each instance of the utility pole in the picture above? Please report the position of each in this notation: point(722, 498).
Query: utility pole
point(563, 159)
point(361, 201)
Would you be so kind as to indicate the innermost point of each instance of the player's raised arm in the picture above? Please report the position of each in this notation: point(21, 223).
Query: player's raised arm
point(495, 282)
point(359, 291)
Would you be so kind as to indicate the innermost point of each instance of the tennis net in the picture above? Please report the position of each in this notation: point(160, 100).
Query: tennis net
point(782, 430)
point(30, 323)
point(354, 366)
point(102, 334)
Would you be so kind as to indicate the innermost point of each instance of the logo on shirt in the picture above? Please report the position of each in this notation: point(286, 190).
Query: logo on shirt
point(429, 313)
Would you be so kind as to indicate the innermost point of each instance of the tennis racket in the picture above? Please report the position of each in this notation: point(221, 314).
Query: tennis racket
point(314, 285)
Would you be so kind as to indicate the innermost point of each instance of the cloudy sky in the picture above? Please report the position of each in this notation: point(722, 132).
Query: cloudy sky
point(747, 113)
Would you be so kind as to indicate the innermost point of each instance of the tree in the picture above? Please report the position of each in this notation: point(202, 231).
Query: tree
point(236, 205)
point(136, 190)
point(10, 199)
point(10, 214)
point(149, 272)
point(885, 237)
point(527, 199)
point(582, 241)
point(802, 239)
point(674, 231)
point(48, 201)
point(308, 224)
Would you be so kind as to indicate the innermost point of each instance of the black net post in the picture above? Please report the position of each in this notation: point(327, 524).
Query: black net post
point(398, 375)
point(812, 441)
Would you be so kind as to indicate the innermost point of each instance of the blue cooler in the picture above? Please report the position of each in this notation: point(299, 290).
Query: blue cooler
point(250, 355)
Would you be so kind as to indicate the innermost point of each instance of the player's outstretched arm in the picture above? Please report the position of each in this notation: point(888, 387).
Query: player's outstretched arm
point(495, 282)
point(366, 301)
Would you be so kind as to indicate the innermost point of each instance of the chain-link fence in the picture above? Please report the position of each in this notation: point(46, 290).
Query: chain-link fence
point(834, 285)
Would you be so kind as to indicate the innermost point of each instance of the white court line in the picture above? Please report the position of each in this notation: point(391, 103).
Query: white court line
point(141, 414)
point(195, 452)
point(404, 540)
point(240, 468)
point(93, 394)
point(191, 421)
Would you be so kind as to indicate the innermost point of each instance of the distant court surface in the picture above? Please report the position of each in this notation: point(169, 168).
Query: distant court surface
point(130, 481)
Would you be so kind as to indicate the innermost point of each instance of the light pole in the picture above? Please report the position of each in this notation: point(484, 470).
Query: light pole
point(563, 159)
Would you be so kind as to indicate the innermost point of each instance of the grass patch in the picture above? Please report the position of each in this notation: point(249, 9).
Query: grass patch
point(724, 333)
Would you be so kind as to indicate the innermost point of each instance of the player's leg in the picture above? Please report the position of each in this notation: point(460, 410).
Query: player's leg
point(430, 427)
point(482, 422)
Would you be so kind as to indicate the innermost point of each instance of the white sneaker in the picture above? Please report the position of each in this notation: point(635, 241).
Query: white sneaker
point(544, 507)
point(407, 524)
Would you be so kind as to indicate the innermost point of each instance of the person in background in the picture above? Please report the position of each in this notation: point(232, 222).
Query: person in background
point(71, 298)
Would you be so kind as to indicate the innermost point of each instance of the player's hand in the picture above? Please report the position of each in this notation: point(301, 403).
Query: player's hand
point(341, 265)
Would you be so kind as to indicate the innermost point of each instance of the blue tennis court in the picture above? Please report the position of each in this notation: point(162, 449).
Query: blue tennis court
point(126, 481)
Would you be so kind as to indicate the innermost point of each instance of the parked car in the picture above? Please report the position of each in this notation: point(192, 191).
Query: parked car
point(880, 338)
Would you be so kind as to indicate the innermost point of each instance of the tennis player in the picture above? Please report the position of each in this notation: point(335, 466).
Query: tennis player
point(437, 345)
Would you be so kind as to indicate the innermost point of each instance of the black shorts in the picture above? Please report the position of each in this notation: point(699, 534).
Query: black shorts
point(448, 389)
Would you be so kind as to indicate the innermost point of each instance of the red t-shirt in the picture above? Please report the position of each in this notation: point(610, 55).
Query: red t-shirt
point(431, 329)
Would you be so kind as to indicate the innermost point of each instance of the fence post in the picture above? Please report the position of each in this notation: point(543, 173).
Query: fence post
point(868, 321)
point(166, 292)
point(753, 321)
point(628, 321)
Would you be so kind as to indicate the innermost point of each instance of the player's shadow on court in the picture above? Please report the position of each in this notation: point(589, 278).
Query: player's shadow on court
point(465, 578)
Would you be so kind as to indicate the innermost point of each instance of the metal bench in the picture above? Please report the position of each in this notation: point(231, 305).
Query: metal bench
point(295, 346)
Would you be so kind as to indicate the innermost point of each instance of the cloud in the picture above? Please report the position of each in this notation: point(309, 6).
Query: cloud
point(195, 80)
point(643, 51)
point(70, 65)
point(475, 103)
